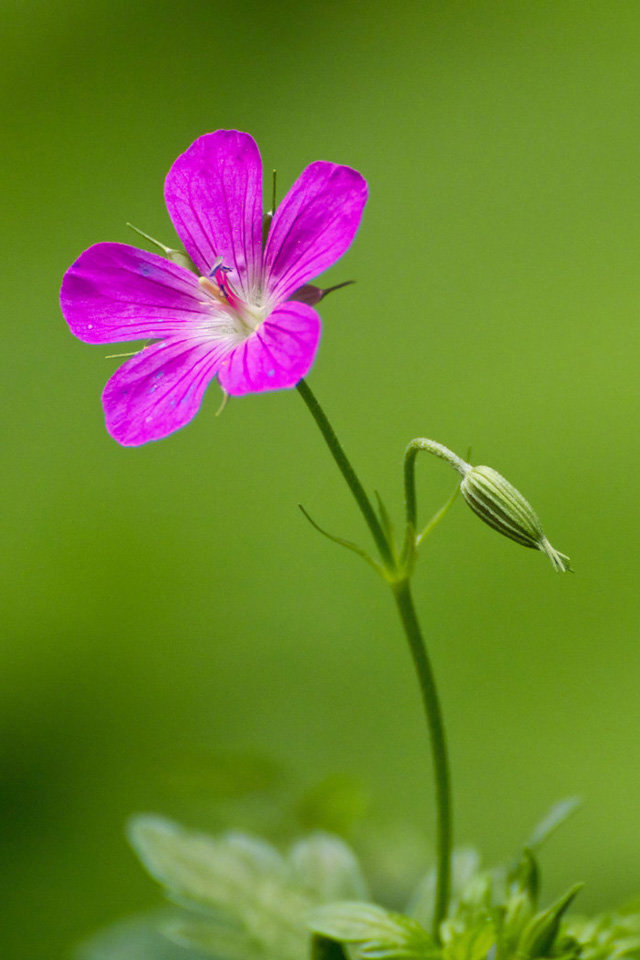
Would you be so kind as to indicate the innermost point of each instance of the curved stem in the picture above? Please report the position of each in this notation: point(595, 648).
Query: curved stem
point(410, 454)
point(347, 470)
point(399, 582)
point(431, 701)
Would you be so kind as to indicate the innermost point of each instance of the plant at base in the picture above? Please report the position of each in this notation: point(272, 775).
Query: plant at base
point(237, 898)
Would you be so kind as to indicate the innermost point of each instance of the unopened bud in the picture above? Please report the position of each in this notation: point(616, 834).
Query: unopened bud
point(311, 295)
point(504, 508)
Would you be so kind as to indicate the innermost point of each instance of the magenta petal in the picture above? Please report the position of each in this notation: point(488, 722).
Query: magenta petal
point(313, 226)
point(278, 355)
point(159, 390)
point(214, 197)
point(115, 292)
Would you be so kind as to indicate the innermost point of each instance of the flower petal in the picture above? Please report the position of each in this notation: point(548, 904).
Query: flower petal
point(213, 194)
point(159, 390)
point(115, 292)
point(278, 355)
point(313, 226)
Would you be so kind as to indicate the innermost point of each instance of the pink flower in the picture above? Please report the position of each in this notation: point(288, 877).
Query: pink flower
point(239, 320)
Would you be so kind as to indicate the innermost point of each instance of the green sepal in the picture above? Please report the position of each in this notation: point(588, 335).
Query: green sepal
point(176, 256)
point(539, 935)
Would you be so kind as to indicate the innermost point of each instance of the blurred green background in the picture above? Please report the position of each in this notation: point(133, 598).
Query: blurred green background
point(167, 608)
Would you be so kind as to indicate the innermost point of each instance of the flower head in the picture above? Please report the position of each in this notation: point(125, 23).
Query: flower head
point(240, 320)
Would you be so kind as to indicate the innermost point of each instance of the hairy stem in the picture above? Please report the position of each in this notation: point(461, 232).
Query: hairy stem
point(399, 582)
point(431, 701)
point(347, 470)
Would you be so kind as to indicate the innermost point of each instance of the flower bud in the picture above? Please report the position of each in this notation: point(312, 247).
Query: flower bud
point(504, 508)
point(311, 295)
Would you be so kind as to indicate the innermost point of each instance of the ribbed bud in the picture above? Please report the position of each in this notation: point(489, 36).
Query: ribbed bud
point(504, 508)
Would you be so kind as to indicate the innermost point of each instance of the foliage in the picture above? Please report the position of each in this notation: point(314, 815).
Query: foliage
point(237, 898)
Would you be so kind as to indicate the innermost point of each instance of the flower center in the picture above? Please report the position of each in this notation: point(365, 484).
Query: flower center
point(245, 317)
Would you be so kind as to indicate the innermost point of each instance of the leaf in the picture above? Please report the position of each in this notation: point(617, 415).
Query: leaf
point(212, 940)
point(136, 939)
point(385, 517)
point(471, 943)
point(348, 544)
point(216, 873)
point(525, 876)
point(253, 909)
point(248, 902)
point(556, 816)
point(377, 933)
point(327, 869)
point(465, 865)
point(322, 948)
point(439, 514)
point(540, 933)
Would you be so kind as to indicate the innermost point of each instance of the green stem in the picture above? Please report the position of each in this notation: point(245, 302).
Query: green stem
point(399, 582)
point(404, 602)
point(410, 454)
point(347, 471)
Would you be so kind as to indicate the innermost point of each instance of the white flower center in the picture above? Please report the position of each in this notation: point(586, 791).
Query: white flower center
point(233, 318)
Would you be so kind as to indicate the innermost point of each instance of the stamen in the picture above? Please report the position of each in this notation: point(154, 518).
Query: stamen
point(213, 290)
point(225, 397)
point(217, 263)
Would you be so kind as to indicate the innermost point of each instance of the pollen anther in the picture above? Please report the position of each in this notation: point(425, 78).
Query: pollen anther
point(213, 290)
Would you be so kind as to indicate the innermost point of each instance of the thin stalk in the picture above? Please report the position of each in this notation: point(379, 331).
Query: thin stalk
point(404, 602)
point(347, 470)
point(410, 454)
point(399, 582)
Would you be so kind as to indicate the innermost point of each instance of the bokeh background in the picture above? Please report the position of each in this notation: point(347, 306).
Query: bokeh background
point(174, 636)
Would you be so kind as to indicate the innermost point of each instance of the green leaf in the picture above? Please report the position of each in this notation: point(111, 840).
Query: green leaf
point(540, 933)
point(195, 868)
point(376, 933)
point(348, 544)
point(326, 868)
point(136, 939)
point(472, 942)
point(439, 514)
point(525, 876)
point(245, 886)
point(213, 940)
point(322, 948)
point(605, 937)
point(248, 901)
point(556, 816)
point(385, 518)
point(465, 865)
